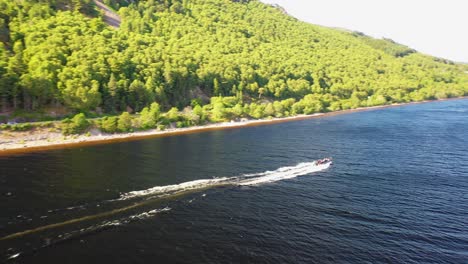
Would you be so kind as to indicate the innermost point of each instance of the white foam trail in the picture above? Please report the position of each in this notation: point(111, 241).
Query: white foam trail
point(14, 256)
point(146, 215)
point(103, 226)
point(186, 186)
point(243, 180)
point(126, 220)
point(285, 173)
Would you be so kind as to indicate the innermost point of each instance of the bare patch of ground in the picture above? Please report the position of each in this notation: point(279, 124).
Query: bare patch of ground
point(110, 17)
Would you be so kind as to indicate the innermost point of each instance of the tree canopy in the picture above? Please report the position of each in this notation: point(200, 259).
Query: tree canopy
point(170, 51)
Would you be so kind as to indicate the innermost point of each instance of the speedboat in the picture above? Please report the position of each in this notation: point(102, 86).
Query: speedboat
point(328, 161)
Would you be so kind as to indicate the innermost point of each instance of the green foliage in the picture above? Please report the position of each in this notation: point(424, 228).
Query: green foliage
point(149, 116)
point(269, 110)
point(177, 53)
point(308, 105)
point(181, 124)
point(256, 111)
point(124, 124)
point(109, 124)
point(26, 126)
point(173, 115)
point(386, 45)
point(78, 124)
point(116, 4)
point(237, 110)
point(17, 127)
point(198, 111)
point(218, 111)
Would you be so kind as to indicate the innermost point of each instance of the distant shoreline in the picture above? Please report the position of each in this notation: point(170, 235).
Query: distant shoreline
point(43, 143)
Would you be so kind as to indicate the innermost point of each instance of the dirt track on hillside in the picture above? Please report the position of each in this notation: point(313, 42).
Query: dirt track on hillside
point(110, 17)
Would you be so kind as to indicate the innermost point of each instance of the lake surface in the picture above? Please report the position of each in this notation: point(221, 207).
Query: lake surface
point(396, 193)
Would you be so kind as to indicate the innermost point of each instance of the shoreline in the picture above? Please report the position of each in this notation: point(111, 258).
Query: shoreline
point(44, 144)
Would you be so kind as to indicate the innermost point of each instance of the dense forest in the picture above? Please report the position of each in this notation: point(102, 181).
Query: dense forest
point(222, 58)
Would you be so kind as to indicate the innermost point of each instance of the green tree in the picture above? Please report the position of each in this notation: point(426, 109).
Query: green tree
point(269, 110)
point(149, 116)
point(216, 88)
point(174, 52)
point(173, 115)
point(78, 124)
point(124, 123)
point(238, 110)
point(109, 124)
point(198, 110)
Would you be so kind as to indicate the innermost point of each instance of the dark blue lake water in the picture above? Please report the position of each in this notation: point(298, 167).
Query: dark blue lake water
point(396, 193)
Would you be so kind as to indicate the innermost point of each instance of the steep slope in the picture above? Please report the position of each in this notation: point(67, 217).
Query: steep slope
point(164, 50)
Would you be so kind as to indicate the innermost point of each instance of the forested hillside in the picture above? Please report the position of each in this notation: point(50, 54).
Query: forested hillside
point(182, 52)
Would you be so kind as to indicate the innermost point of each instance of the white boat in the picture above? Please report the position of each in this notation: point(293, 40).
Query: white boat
point(324, 161)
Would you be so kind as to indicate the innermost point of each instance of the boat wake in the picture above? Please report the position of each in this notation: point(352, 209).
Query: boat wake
point(127, 208)
point(82, 232)
point(243, 180)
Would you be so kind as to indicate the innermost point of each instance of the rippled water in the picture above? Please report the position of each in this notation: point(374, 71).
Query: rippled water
point(397, 193)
